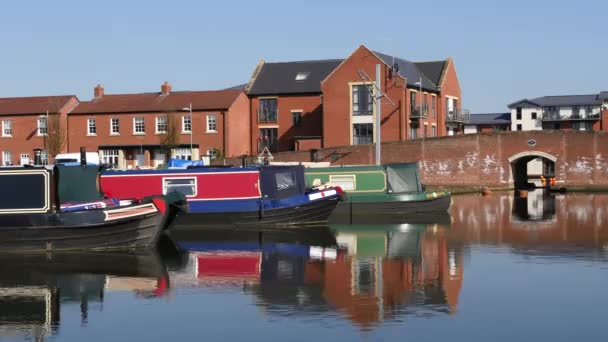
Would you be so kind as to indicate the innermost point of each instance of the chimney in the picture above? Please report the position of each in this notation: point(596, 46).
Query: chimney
point(98, 91)
point(165, 88)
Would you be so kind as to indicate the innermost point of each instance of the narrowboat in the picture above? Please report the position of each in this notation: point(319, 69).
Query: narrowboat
point(385, 190)
point(63, 209)
point(233, 196)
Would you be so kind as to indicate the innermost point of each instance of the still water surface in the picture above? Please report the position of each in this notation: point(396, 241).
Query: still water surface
point(496, 268)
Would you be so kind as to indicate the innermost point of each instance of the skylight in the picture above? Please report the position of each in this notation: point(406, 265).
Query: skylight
point(301, 76)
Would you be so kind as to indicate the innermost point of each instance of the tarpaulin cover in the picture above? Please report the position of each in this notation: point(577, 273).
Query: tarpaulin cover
point(403, 178)
point(183, 163)
point(77, 183)
point(282, 181)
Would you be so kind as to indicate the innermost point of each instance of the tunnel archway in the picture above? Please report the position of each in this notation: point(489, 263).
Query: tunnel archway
point(530, 167)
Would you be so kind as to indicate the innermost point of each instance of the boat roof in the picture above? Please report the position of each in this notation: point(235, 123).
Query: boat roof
point(347, 168)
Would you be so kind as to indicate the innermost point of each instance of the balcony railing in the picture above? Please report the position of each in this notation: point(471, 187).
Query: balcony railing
point(267, 117)
point(554, 116)
point(420, 112)
point(458, 116)
point(362, 140)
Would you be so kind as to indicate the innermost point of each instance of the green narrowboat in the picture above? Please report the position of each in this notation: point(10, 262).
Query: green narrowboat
point(385, 190)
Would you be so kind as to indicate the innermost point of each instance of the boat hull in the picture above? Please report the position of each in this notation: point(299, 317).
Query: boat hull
point(308, 213)
point(132, 227)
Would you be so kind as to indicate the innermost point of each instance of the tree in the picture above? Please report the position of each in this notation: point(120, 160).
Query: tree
point(170, 139)
point(56, 134)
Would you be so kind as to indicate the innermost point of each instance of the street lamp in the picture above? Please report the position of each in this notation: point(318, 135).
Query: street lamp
point(189, 108)
point(419, 83)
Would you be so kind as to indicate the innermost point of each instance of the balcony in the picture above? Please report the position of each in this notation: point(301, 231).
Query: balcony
point(554, 116)
point(267, 116)
point(458, 116)
point(420, 112)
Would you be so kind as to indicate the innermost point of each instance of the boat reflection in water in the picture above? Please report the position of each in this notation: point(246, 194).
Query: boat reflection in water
point(34, 287)
point(368, 273)
point(537, 205)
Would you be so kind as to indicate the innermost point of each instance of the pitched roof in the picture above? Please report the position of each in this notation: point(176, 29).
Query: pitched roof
point(603, 96)
point(432, 70)
point(411, 71)
point(280, 78)
point(155, 102)
point(33, 104)
point(490, 119)
point(561, 100)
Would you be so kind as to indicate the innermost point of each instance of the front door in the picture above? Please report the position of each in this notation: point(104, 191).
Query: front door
point(25, 159)
point(159, 159)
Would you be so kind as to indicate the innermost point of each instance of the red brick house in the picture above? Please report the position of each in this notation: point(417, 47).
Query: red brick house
point(422, 100)
point(144, 130)
point(286, 104)
point(25, 127)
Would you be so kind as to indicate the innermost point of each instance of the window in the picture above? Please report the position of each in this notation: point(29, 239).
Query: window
point(44, 157)
point(425, 130)
point(425, 105)
point(25, 159)
point(268, 138)
point(518, 127)
point(433, 131)
point(7, 158)
point(7, 128)
point(582, 126)
point(301, 76)
point(413, 110)
point(183, 153)
point(267, 112)
point(42, 126)
point(518, 113)
point(114, 126)
point(296, 118)
point(346, 182)
point(212, 153)
point(211, 123)
point(434, 106)
point(186, 124)
point(139, 126)
point(413, 133)
point(576, 111)
point(186, 186)
point(362, 100)
point(363, 134)
point(533, 115)
point(91, 127)
point(161, 124)
point(110, 157)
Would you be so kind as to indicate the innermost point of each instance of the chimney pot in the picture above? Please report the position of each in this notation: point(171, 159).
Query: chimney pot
point(165, 88)
point(98, 91)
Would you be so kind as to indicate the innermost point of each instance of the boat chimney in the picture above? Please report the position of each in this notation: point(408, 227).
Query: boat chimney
point(83, 156)
point(244, 160)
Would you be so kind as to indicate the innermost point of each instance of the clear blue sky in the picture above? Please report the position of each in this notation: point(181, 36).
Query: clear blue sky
point(504, 50)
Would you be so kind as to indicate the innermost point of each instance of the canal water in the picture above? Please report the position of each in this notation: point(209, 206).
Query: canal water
point(497, 268)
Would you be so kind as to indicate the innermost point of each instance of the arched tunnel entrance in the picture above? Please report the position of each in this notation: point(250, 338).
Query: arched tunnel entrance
point(532, 169)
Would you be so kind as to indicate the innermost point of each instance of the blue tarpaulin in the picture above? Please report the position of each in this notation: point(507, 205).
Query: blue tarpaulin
point(182, 163)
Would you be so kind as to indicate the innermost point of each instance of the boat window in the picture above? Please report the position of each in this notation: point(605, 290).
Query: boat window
point(186, 186)
point(403, 178)
point(285, 180)
point(346, 182)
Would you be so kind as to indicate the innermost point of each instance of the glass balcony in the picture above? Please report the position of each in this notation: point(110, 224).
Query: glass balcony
point(458, 116)
point(420, 112)
point(555, 116)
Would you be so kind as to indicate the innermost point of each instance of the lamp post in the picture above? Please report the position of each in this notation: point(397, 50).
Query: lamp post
point(189, 108)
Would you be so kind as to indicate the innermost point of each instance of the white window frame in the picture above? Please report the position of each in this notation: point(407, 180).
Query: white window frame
point(44, 157)
point(92, 121)
point(41, 127)
point(21, 158)
point(166, 124)
point(112, 126)
point(143, 120)
point(335, 180)
point(110, 153)
point(184, 130)
point(7, 125)
point(186, 152)
point(302, 76)
point(209, 116)
point(165, 186)
point(6, 154)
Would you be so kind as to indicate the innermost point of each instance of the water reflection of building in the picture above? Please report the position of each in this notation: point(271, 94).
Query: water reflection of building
point(376, 274)
point(578, 223)
point(537, 205)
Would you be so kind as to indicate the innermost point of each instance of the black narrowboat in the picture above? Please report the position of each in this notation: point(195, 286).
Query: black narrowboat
point(64, 209)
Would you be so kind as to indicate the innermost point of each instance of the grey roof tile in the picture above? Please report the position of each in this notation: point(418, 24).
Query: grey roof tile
point(432, 70)
point(280, 78)
point(409, 70)
point(561, 100)
point(490, 119)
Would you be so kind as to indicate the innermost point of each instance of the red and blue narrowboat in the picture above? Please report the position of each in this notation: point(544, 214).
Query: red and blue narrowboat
point(275, 195)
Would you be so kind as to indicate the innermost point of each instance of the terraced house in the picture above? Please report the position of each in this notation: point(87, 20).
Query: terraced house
point(144, 130)
point(33, 127)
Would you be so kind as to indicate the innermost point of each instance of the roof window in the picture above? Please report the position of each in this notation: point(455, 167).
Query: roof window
point(301, 76)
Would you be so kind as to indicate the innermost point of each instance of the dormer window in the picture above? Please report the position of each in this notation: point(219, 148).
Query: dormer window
point(301, 76)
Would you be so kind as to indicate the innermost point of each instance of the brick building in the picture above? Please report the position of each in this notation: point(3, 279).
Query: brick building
point(144, 130)
point(488, 122)
point(32, 124)
point(422, 99)
point(286, 104)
